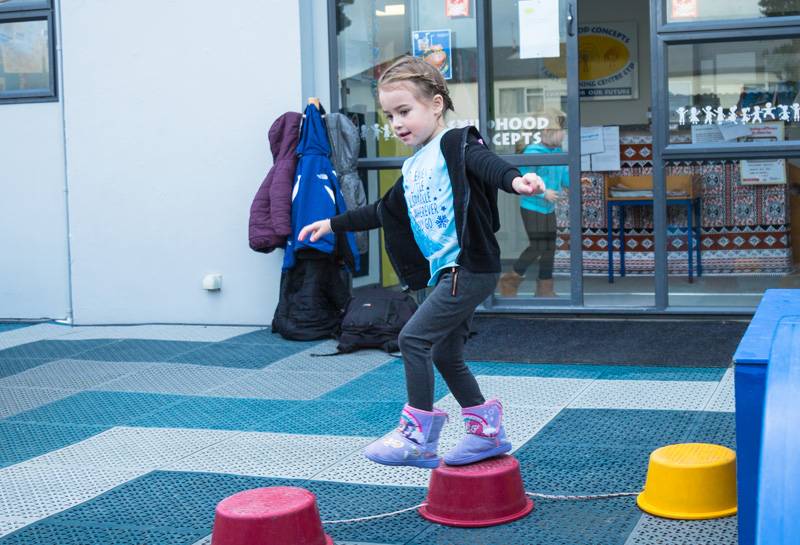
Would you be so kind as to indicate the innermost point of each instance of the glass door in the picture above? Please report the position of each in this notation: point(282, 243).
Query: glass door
point(533, 121)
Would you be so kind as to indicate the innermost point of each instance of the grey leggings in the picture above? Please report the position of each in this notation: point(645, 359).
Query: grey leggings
point(436, 334)
point(541, 230)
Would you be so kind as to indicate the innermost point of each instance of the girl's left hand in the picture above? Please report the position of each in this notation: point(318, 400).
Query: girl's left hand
point(529, 184)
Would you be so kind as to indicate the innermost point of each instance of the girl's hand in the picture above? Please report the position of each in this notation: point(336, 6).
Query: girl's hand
point(317, 230)
point(529, 184)
point(550, 195)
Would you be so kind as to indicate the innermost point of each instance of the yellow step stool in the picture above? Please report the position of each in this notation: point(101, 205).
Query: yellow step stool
point(690, 481)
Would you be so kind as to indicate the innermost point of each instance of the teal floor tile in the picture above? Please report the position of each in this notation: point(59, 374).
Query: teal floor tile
point(241, 355)
point(221, 413)
point(97, 408)
point(133, 350)
point(21, 441)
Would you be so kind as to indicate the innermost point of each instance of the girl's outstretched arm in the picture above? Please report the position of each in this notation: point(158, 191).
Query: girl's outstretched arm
point(317, 230)
point(363, 218)
point(485, 165)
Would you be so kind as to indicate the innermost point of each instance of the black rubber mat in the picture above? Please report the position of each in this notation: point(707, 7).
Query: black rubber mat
point(689, 343)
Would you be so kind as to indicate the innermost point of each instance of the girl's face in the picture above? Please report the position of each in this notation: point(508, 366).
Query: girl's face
point(414, 120)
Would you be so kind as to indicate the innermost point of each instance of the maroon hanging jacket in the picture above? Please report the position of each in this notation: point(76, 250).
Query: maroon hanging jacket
point(271, 211)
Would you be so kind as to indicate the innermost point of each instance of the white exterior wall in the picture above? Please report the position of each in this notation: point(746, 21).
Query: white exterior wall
point(34, 277)
point(166, 111)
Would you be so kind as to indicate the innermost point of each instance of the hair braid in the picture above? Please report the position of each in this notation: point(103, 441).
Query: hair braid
point(427, 79)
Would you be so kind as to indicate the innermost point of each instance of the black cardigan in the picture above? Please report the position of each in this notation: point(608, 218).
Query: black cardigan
point(476, 174)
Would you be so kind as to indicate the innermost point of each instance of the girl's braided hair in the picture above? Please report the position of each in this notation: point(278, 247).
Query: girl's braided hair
point(427, 79)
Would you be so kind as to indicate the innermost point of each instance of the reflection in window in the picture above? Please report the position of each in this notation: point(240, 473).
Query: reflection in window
point(734, 91)
point(525, 85)
point(371, 36)
point(24, 57)
point(704, 10)
point(744, 238)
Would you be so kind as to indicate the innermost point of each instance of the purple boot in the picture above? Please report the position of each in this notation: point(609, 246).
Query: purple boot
point(485, 435)
point(414, 441)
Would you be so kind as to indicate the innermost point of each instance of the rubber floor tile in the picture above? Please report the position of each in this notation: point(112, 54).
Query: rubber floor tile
point(692, 374)
point(55, 534)
point(354, 418)
point(382, 384)
point(52, 349)
point(8, 526)
point(220, 413)
point(266, 336)
point(132, 350)
point(12, 366)
point(718, 428)
point(655, 531)
point(31, 492)
point(26, 335)
point(645, 394)
point(98, 408)
point(20, 441)
point(344, 501)
point(160, 332)
point(134, 448)
point(724, 397)
point(173, 378)
point(270, 455)
point(618, 427)
point(244, 356)
point(164, 500)
point(17, 400)
point(607, 522)
point(582, 470)
point(72, 374)
point(272, 383)
point(536, 370)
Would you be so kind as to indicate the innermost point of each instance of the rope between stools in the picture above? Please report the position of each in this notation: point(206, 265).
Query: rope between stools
point(382, 515)
point(582, 498)
point(532, 494)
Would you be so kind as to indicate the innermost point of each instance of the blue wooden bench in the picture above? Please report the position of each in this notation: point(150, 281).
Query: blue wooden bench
point(752, 361)
point(777, 520)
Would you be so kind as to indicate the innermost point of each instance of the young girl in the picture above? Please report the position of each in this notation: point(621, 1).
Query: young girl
point(439, 221)
point(539, 214)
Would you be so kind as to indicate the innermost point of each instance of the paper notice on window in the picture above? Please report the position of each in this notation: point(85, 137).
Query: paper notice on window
point(538, 29)
point(609, 159)
point(586, 163)
point(592, 140)
point(763, 171)
point(731, 131)
point(705, 134)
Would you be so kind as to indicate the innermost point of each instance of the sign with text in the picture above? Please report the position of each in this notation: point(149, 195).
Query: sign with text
point(609, 68)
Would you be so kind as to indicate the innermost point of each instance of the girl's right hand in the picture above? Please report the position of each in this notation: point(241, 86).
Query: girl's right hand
point(317, 230)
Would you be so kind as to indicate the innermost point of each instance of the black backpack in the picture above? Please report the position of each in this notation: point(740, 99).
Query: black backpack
point(373, 319)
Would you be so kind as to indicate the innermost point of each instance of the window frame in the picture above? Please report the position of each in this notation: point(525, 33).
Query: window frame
point(721, 150)
point(663, 25)
point(38, 14)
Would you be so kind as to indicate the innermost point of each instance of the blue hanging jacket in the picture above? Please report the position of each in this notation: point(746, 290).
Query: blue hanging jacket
point(316, 194)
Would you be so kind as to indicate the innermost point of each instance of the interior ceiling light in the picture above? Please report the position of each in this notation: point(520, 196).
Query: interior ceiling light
point(391, 9)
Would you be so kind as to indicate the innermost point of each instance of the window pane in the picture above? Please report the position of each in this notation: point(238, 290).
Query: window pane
point(734, 91)
point(534, 239)
point(740, 231)
point(529, 61)
point(24, 58)
point(371, 35)
point(704, 10)
point(12, 5)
